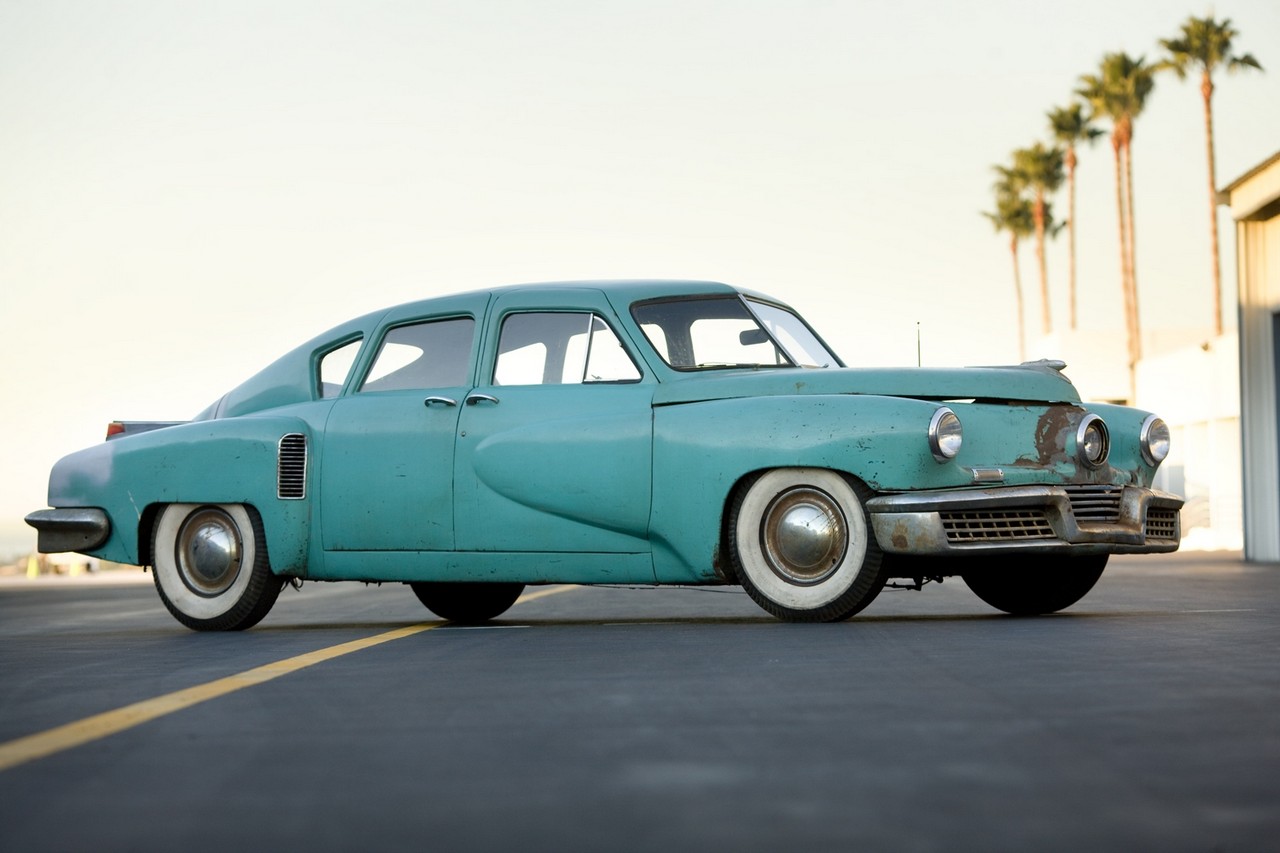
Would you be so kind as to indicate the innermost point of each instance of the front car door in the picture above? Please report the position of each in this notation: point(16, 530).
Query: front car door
point(554, 451)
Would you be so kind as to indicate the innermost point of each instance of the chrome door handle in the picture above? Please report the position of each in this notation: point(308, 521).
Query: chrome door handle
point(472, 399)
point(444, 401)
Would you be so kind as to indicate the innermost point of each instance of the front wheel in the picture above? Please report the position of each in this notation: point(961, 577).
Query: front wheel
point(1031, 586)
point(802, 547)
point(211, 567)
point(467, 602)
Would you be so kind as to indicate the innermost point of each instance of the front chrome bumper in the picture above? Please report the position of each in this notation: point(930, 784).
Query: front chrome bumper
point(1076, 518)
point(69, 528)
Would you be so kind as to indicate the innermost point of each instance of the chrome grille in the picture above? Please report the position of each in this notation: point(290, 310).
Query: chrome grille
point(1162, 524)
point(996, 526)
point(1095, 504)
point(291, 467)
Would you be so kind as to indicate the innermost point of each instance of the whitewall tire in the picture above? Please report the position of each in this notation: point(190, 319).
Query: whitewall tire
point(802, 547)
point(211, 567)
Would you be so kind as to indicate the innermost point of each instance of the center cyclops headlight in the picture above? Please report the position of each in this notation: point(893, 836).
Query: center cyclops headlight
point(1093, 442)
point(945, 435)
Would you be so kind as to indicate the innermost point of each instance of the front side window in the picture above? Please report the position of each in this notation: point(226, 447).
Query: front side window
point(435, 354)
point(560, 348)
point(793, 335)
point(706, 333)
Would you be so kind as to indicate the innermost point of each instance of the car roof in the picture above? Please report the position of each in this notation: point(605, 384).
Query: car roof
point(626, 289)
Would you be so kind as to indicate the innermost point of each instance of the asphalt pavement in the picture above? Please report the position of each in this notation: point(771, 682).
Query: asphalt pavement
point(1143, 718)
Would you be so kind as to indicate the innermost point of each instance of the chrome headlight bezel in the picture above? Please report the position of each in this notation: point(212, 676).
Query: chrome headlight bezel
point(946, 434)
point(1097, 427)
point(1154, 440)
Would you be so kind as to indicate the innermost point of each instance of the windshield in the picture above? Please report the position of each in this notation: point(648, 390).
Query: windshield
point(719, 332)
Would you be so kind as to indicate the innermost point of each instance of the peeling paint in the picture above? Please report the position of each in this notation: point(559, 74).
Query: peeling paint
point(1051, 433)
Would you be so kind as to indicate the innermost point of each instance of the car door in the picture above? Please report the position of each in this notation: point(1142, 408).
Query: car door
point(555, 441)
point(387, 465)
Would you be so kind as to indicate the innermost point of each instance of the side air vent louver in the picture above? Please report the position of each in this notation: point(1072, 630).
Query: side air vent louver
point(291, 467)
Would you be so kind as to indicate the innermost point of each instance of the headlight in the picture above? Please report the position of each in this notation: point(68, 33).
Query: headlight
point(1093, 442)
point(945, 434)
point(1154, 440)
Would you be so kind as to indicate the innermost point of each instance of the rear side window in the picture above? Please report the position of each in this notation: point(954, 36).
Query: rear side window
point(335, 367)
point(436, 354)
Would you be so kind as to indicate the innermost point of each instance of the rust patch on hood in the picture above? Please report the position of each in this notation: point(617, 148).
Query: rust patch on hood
point(1052, 430)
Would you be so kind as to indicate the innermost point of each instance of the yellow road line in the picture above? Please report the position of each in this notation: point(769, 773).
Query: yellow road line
point(93, 728)
point(80, 732)
point(543, 593)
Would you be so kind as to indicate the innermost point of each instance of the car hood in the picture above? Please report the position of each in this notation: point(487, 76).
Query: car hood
point(1038, 382)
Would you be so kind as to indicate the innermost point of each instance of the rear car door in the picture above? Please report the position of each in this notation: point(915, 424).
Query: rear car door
point(387, 466)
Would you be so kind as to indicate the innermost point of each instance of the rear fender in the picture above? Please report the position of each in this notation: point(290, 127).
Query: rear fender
point(225, 461)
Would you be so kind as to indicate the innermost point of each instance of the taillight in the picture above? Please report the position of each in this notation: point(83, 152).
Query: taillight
point(113, 429)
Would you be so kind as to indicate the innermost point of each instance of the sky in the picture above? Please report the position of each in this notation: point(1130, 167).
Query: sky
point(189, 189)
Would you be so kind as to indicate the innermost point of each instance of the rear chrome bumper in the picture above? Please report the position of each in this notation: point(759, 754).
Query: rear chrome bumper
point(69, 529)
point(1078, 519)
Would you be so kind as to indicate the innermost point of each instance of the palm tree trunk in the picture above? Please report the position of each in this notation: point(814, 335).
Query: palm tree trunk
point(1133, 264)
point(1071, 232)
point(1206, 89)
point(1017, 292)
point(1046, 324)
point(1117, 147)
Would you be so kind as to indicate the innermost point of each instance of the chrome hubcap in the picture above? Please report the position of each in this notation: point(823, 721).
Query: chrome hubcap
point(804, 536)
point(209, 551)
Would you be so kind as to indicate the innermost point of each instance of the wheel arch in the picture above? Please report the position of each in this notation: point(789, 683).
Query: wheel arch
point(705, 451)
point(282, 535)
point(723, 565)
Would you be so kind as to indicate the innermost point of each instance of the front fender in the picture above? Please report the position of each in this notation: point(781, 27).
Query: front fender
point(701, 450)
point(223, 461)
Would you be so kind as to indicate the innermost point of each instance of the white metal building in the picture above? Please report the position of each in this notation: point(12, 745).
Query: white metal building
point(1255, 207)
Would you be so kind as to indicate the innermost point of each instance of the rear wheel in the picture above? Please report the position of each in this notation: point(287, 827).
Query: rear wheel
point(467, 602)
point(802, 547)
point(211, 567)
point(1030, 586)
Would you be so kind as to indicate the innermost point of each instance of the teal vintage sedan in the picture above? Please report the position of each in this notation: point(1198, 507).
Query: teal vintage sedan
point(626, 432)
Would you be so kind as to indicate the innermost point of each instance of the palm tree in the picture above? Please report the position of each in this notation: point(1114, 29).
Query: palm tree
point(1040, 169)
point(1069, 126)
point(1119, 91)
point(1013, 214)
point(1206, 44)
